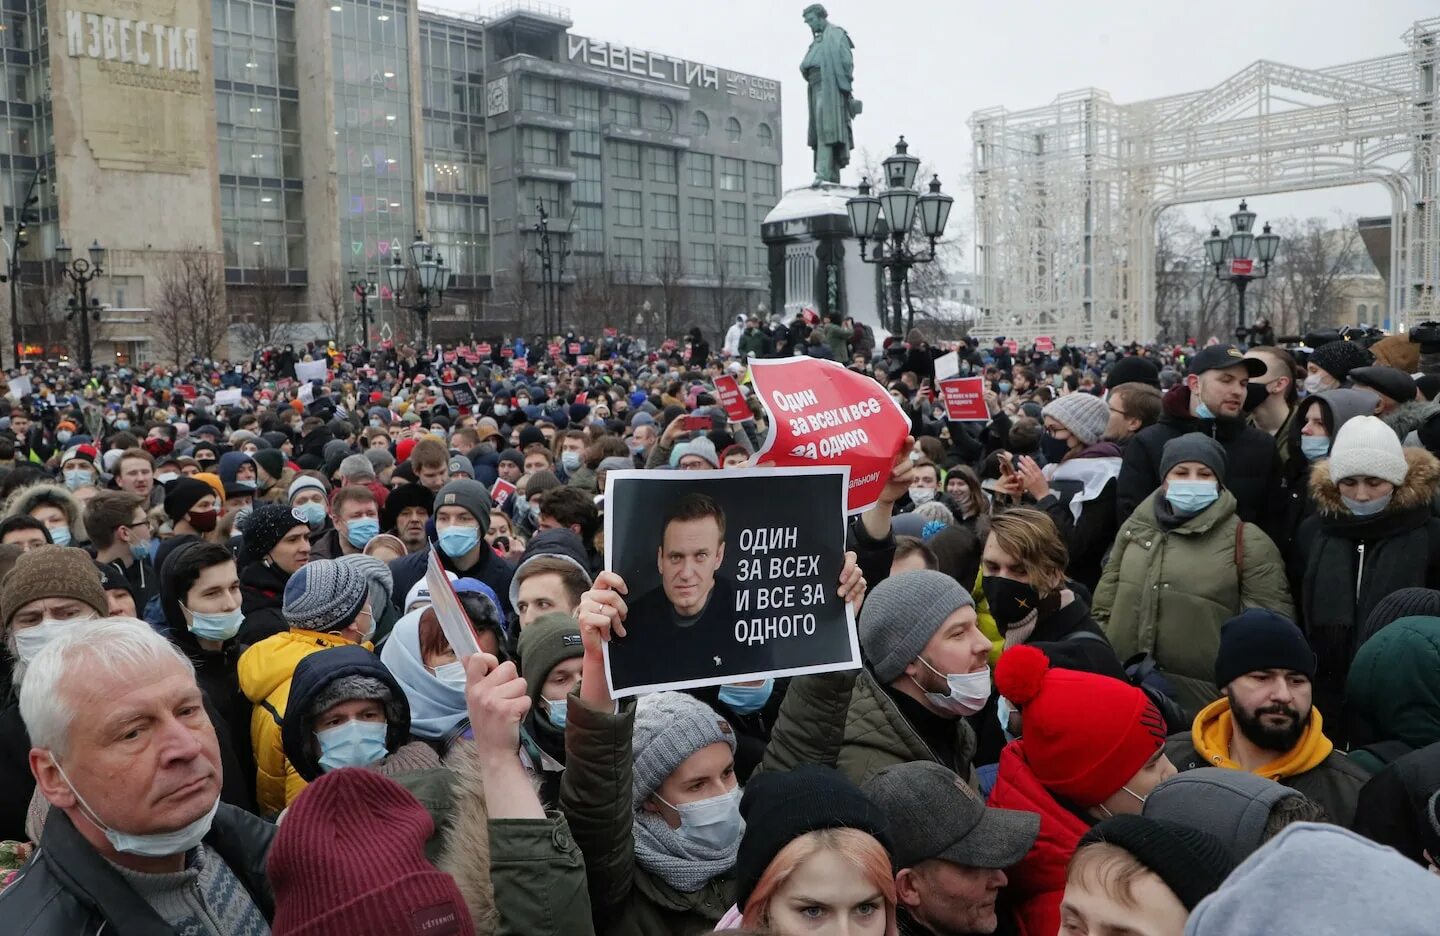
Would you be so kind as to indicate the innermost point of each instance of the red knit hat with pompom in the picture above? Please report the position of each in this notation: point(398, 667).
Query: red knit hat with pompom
point(1085, 735)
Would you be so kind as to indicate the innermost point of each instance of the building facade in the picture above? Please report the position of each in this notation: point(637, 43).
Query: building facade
point(245, 161)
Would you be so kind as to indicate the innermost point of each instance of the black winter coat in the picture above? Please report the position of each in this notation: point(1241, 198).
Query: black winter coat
point(262, 595)
point(1391, 809)
point(490, 569)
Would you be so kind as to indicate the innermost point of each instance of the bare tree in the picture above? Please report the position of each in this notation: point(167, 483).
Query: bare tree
point(593, 295)
point(669, 271)
point(724, 297)
point(190, 316)
point(1308, 280)
point(42, 315)
point(515, 290)
point(335, 310)
point(268, 319)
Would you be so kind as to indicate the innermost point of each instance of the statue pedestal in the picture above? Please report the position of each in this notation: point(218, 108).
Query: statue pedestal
point(815, 260)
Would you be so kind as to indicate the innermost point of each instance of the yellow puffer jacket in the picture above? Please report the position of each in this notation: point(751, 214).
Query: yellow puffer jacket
point(987, 624)
point(265, 671)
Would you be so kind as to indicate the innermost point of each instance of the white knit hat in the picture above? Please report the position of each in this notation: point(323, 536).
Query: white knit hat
point(1367, 448)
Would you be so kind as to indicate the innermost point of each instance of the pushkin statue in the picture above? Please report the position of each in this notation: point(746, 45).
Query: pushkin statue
point(829, 69)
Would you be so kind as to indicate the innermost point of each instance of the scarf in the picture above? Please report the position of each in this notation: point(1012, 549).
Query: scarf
point(683, 864)
point(1215, 727)
point(435, 708)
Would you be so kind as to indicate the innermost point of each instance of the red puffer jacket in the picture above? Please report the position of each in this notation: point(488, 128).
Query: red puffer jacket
point(1038, 882)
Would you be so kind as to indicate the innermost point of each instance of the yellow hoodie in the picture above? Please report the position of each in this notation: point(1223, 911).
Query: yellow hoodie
point(1215, 726)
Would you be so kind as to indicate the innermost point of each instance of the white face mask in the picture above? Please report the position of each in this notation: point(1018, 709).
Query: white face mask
point(714, 823)
point(31, 640)
point(452, 675)
point(154, 844)
point(922, 495)
point(968, 691)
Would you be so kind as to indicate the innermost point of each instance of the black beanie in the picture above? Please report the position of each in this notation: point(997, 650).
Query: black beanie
point(779, 807)
point(1259, 639)
point(1192, 863)
point(184, 493)
point(1403, 602)
point(1132, 369)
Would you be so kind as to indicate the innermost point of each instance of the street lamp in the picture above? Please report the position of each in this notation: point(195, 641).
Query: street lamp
point(428, 277)
point(550, 278)
point(81, 272)
point(897, 205)
point(362, 287)
point(1234, 257)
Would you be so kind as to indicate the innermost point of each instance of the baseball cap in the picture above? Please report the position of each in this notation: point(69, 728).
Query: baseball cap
point(933, 814)
point(1220, 356)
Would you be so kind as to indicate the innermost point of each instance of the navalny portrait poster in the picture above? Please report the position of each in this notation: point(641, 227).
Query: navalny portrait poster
point(731, 576)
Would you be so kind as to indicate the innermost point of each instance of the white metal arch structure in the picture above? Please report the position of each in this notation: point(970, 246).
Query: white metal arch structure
point(1067, 195)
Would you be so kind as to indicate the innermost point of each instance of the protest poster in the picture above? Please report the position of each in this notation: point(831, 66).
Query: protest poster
point(1045, 344)
point(946, 366)
point(460, 393)
point(231, 397)
point(187, 391)
point(611, 332)
point(731, 576)
point(727, 390)
point(501, 492)
point(554, 350)
point(583, 360)
point(822, 413)
point(454, 623)
point(20, 387)
point(306, 371)
point(964, 399)
point(483, 349)
point(507, 352)
point(1012, 346)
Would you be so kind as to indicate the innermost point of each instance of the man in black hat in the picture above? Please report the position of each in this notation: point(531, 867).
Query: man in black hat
point(1210, 402)
point(950, 850)
point(407, 510)
point(1395, 387)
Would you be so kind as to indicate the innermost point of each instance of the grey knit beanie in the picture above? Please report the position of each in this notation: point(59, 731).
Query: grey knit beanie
point(380, 459)
point(669, 727)
point(356, 468)
point(345, 689)
point(1084, 414)
point(469, 494)
point(1193, 447)
point(902, 614)
point(303, 482)
point(324, 595)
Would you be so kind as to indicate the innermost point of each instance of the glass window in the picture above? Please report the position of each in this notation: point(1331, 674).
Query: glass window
point(625, 160)
point(589, 228)
point(627, 209)
point(700, 125)
point(585, 108)
point(765, 134)
point(702, 216)
point(734, 259)
point(732, 174)
point(761, 261)
point(587, 184)
point(764, 178)
point(702, 259)
point(702, 170)
point(664, 212)
point(732, 218)
point(539, 146)
point(538, 94)
point(662, 117)
point(624, 110)
point(629, 253)
point(662, 164)
point(732, 129)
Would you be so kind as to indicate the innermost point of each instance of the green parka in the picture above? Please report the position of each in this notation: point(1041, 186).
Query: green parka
point(1166, 592)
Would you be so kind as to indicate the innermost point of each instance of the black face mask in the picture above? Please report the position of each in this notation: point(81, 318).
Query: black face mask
point(1053, 449)
point(1010, 601)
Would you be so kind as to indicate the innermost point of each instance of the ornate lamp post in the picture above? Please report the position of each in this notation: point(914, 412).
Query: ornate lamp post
point(81, 273)
point(897, 205)
point(1234, 257)
point(362, 286)
point(427, 279)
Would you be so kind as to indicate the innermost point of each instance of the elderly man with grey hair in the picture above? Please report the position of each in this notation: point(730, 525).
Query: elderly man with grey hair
point(137, 839)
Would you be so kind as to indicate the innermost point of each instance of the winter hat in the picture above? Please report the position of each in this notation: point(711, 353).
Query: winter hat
point(356, 468)
point(403, 448)
point(1193, 447)
point(1366, 447)
point(780, 806)
point(1338, 358)
point(322, 864)
point(531, 435)
point(83, 452)
point(303, 482)
point(346, 689)
point(614, 463)
point(1389, 381)
point(469, 494)
point(549, 641)
point(669, 727)
point(559, 544)
point(267, 526)
point(1086, 735)
point(461, 465)
point(540, 482)
point(701, 446)
point(1401, 603)
point(902, 613)
point(1192, 863)
point(640, 418)
point(513, 457)
point(271, 461)
point(1233, 804)
point(324, 595)
point(380, 459)
point(1132, 369)
point(1260, 639)
point(183, 494)
point(51, 572)
point(1084, 414)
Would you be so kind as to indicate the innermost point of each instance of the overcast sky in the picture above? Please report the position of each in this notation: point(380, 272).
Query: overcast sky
point(953, 57)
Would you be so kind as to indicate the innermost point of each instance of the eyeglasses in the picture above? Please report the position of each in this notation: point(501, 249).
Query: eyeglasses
point(1119, 412)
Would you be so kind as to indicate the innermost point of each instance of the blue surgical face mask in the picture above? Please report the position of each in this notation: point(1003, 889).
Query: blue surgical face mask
point(452, 675)
point(747, 699)
point(1004, 386)
point(501, 409)
point(353, 743)
point(1203, 412)
point(1367, 508)
point(570, 460)
point(456, 541)
point(77, 478)
point(60, 535)
point(140, 550)
point(153, 845)
point(221, 626)
point(713, 823)
point(362, 530)
point(122, 424)
point(313, 512)
point(1191, 497)
point(556, 710)
point(1314, 447)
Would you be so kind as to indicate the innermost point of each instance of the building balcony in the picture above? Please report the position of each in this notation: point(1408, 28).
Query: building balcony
point(678, 141)
point(530, 170)
point(534, 118)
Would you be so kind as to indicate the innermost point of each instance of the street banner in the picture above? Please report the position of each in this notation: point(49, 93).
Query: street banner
point(461, 393)
point(231, 397)
point(501, 492)
point(306, 371)
point(731, 576)
point(822, 413)
point(727, 388)
point(1045, 344)
point(964, 399)
point(946, 366)
point(1012, 346)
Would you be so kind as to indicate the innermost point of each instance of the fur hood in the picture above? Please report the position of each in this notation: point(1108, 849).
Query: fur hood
point(1410, 416)
point(27, 498)
point(1422, 481)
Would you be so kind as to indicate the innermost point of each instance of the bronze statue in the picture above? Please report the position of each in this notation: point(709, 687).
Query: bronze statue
point(829, 69)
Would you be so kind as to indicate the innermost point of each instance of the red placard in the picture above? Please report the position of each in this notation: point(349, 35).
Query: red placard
point(574, 347)
point(727, 388)
point(500, 492)
point(187, 391)
point(583, 360)
point(507, 352)
point(822, 413)
point(554, 349)
point(1242, 267)
point(483, 349)
point(964, 399)
point(612, 332)
point(1012, 345)
point(1045, 343)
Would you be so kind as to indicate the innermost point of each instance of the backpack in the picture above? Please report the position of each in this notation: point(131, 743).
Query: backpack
point(1142, 672)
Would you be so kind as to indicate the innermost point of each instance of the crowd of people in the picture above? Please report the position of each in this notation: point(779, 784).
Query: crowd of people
point(1151, 650)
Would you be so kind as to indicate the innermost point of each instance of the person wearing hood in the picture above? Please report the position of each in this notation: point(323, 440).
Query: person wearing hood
point(274, 547)
point(550, 653)
point(239, 476)
point(1210, 402)
point(1314, 879)
point(1318, 418)
point(1243, 809)
point(1182, 565)
point(733, 334)
point(1267, 721)
point(53, 506)
point(273, 475)
point(1393, 692)
point(1374, 532)
point(553, 574)
point(1092, 747)
point(119, 598)
point(461, 518)
point(326, 604)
